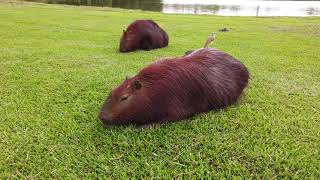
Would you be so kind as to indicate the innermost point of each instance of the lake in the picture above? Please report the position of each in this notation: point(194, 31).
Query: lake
point(214, 7)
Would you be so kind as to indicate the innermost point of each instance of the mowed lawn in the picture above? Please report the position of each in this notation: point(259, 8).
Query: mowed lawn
point(58, 63)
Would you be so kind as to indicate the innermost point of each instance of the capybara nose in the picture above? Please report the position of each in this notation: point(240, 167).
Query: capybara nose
point(123, 50)
point(105, 118)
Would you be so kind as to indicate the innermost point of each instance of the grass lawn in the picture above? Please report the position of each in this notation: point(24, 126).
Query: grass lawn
point(58, 63)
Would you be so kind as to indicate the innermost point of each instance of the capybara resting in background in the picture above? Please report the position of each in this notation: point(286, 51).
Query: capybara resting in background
point(143, 34)
point(175, 89)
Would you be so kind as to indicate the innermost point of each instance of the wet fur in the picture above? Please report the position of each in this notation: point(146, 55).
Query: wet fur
point(143, 34)
point(175, 89)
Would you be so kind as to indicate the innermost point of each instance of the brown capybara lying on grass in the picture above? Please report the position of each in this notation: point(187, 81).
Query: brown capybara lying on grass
point(175, 89)
point(143, 34)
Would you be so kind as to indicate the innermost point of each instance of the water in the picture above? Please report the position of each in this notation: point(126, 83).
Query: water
point(216, 7)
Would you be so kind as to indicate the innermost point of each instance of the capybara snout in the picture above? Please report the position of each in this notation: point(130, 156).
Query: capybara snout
point(122, 103)
point(105, 115)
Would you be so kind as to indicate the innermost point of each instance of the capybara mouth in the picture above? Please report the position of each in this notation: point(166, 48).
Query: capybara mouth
point(104, 118)
point(123, 50)
point(108, 122)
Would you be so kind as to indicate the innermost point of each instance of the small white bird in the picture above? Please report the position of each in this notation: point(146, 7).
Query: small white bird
point(210, 39)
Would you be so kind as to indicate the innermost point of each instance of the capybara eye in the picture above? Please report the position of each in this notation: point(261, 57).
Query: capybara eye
point(123, 98)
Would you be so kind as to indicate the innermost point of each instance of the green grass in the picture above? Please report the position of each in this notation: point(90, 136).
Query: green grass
point(58, 63)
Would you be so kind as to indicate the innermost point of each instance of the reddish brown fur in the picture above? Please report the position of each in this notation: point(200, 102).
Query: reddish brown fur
point(143, 34)
point(175, 89)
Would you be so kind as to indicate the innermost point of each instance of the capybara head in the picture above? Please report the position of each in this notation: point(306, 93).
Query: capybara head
point(122, 103)
point(128, 41)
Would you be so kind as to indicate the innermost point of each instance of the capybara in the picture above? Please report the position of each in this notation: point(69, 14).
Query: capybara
point(143, 34)
point(175, 89)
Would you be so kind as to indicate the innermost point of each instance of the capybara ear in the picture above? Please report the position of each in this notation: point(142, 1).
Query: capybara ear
point(136, 85)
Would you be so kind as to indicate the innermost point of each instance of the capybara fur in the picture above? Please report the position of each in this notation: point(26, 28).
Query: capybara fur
point(175, 89)
point(143, 34)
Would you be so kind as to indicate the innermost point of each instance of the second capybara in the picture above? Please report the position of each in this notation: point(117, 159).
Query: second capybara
point(143, 34)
